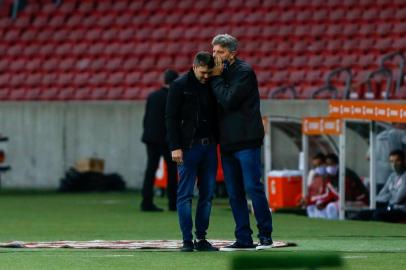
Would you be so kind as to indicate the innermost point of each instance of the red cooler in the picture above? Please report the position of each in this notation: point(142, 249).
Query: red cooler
point(284, 188)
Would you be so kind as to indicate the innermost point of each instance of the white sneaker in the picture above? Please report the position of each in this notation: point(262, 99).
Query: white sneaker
point(264, 244)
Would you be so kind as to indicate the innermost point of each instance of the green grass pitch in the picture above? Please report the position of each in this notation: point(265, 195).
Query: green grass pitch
point(115, 216)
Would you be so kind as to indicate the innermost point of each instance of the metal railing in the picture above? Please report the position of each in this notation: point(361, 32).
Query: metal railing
point(330, 87)
point(283, 90)
point(392, 56)
point(384, 72)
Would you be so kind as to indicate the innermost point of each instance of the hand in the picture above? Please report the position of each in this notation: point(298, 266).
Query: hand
point(177, 156)
point(218, 66)
point(320, 206)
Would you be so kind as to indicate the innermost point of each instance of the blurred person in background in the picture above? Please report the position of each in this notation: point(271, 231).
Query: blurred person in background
point(191, 121)
point(235, 87)
point(387, 141)
point(322, 202)
point(391, 200)
point(318, 168)
point(155, 138)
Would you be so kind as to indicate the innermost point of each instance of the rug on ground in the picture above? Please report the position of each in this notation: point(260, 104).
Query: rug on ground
point(121, 244)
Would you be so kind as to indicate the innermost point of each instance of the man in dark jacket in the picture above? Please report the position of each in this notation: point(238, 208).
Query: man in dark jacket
point(191, 123)
point(235, 86)
point(154, 137)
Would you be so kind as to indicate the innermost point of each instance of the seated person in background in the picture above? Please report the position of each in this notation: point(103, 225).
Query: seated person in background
point(318, 167)
point(391, 200)
point(322, 201)
point(387, 141)
point(355, 191)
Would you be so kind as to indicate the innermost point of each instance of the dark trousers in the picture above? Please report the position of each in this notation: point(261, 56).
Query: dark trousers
point(200, 161)
point(242, 175)
point(154, 152)
point(381, 213)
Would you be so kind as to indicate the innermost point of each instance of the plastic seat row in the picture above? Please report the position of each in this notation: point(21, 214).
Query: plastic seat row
point(96, 46)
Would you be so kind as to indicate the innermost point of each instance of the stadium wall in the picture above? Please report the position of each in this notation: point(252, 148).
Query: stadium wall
point(46, 138)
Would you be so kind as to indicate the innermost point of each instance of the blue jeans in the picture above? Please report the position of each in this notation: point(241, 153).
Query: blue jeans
point(200, 161)
point(242, 173)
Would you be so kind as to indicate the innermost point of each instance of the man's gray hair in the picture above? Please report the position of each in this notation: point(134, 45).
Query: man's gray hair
point(226, 41)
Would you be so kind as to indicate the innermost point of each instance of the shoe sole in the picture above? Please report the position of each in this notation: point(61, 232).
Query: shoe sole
point(264, 247)
point(237, 249)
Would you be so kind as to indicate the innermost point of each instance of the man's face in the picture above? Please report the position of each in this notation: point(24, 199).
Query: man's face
point(223, 53)
point(396, 163)
point(202, 73)
point(330, 162)
point(316, 162)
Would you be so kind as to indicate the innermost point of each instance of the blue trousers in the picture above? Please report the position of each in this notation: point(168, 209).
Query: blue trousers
point(242, 173)
point(200, 161)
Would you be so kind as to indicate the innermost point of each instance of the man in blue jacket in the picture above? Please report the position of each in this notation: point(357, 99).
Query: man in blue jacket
point(191, 123)
point(235, 87)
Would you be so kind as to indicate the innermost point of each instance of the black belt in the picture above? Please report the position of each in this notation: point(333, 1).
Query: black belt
point(203, 141)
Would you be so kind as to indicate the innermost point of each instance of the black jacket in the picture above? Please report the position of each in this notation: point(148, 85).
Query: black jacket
point(182, 111)
point(240, 120)
point(154, 118)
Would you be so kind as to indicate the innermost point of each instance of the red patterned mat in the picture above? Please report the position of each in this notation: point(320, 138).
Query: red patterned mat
point(120, 244)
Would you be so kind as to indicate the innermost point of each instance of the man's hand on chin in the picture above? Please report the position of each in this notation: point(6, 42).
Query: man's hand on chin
point(218, 66)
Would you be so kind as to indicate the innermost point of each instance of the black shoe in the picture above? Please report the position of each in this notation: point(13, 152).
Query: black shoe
point(265, 243)
point(204, 245)
point(238, 246)
point(187, 246)
point(151, 208)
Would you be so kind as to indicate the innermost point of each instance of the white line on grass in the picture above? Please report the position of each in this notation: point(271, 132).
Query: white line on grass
point(355, 257)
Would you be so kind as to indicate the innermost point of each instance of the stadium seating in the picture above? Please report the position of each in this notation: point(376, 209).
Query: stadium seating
point(85, 49)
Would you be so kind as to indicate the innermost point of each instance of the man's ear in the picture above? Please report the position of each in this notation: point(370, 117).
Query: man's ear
point(232, 56)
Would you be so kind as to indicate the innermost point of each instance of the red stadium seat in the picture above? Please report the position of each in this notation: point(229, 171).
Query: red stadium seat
point(132, 78)
point(97, 64)
point(93, 47)
point(17, 65)
point(67, 64)
point(28, 35)
point(147, 63)
point(130, 64)
point(48, 79)
point(113, 64)
point(33, 65)
point(115, 78)
point(74, 20)
point(98, 79)
point(57, 21)
point(119, 6)
point(86, 6)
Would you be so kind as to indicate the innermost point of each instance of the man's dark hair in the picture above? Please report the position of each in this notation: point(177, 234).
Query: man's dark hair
point(398, 153)
point(332, 157)
point(320, 156)
point(170, 75)
point(203, 59)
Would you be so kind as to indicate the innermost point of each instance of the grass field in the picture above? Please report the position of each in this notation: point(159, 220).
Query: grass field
point(114, 216)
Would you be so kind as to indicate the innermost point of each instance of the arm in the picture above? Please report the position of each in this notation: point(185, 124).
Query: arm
point(147, 105)
point(400, 197)
point(230, 96)
point(173, 116)
point(384, 194)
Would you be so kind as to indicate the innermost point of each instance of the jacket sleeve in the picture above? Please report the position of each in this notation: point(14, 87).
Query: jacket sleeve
point(173, 116)
point(384, 195)
point(147, 105)
point(400, 197)
point(230, 96)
